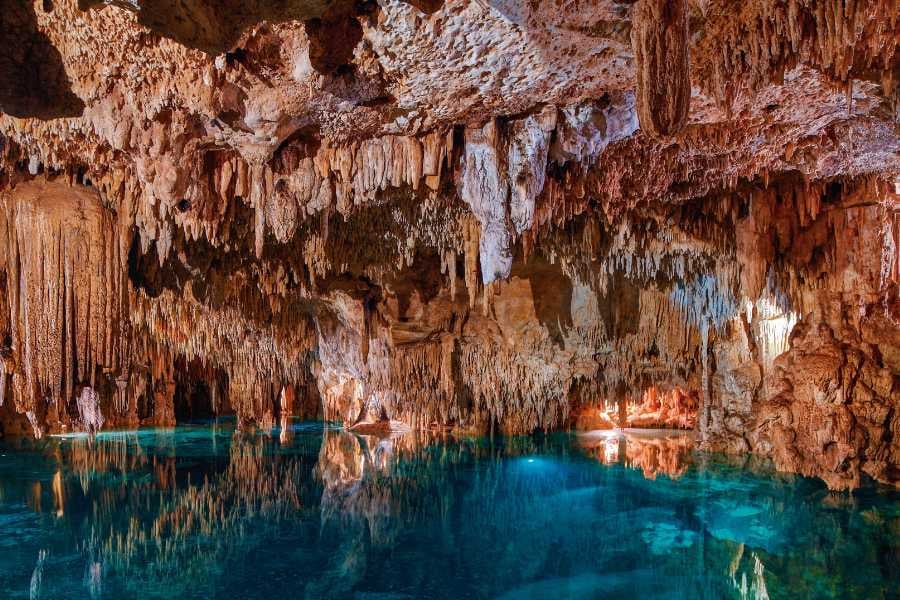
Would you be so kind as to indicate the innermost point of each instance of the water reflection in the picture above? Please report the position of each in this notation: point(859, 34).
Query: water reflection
point(204, 512)
point(653, 452)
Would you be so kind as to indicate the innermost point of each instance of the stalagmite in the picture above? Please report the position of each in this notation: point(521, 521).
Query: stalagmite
point(89, 410)
point(705, 400)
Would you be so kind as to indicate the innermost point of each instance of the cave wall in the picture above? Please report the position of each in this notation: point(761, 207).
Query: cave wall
point(832, 412)
point(482, 216)
point(805, 374)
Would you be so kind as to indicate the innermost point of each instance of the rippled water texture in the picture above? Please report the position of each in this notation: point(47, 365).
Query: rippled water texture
point(198, 512)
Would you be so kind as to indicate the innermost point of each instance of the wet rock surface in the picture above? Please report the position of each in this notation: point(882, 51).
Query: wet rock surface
point(483, 216)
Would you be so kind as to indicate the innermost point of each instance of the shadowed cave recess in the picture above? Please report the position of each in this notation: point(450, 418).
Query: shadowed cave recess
point(480, 216)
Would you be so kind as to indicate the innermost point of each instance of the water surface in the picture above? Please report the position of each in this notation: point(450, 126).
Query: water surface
point(311, 512)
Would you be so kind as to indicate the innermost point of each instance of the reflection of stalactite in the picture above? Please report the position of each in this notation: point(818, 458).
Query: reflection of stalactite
point(195, 525)
point(94, 579)
point(37, 576)
point(349, 467)
point(759, 580)
point(669, 455)
point(362, 485)
point(59, 494)
point(735, 563)
point(756, 589)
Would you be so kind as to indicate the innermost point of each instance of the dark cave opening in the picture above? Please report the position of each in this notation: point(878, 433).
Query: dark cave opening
point(145, 406)
point(193, 402)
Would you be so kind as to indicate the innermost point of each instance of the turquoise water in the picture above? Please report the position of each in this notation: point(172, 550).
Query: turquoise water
point(199, 512)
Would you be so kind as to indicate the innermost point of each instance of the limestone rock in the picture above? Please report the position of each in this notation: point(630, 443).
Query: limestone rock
point(661, 41)
point(450, 215)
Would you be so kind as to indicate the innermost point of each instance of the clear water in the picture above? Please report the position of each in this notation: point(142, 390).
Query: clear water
point(198, 512)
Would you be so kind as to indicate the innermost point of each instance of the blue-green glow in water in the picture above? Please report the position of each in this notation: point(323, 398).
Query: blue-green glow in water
point(308, 512)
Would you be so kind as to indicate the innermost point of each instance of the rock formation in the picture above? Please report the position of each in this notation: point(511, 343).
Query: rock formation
point(660, 36)
point(672, 409)
point(485, 215)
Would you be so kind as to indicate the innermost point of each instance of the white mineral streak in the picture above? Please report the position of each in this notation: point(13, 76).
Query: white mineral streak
point(484, 187)
point(34, 165)
point(89, 410)
point(773, 327)
point(587, 128)
point(527, 164)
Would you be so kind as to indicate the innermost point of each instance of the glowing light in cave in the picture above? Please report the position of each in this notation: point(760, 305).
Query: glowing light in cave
point(611, 450)
point(773, 327)
point(535, 466)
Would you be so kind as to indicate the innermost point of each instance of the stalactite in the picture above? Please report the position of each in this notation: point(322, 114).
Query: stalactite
point(66, 294)
point(527, 159)
point(483, 186)
point(843, 38)
point(661, 42)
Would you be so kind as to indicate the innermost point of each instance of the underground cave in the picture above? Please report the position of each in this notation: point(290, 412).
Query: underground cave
point(449, 299)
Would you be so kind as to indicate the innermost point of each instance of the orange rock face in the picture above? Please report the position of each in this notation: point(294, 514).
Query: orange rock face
point(485, 216)
point(831, 412)
point(658, 409)
point(592, 418)
point(661, 39)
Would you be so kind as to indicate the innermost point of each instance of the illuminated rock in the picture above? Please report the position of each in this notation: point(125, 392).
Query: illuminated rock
point(672, 409)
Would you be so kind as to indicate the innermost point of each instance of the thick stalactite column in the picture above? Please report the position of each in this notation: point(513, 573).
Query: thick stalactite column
point(66, 299)
point(661, 43)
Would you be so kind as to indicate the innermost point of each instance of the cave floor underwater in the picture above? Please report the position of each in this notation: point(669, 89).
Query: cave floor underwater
point(312, 510)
